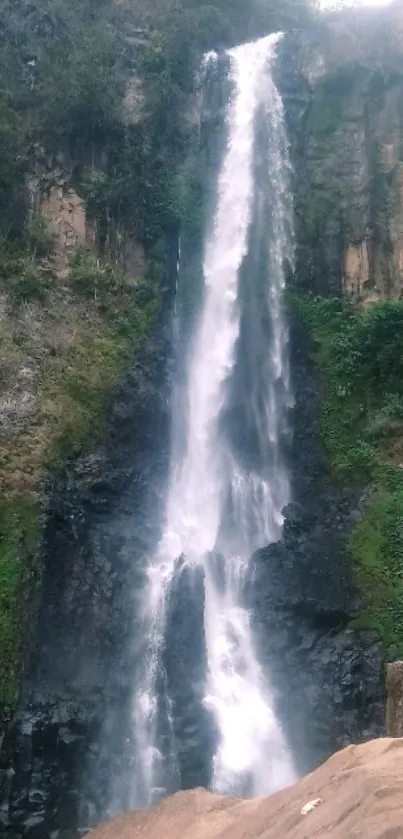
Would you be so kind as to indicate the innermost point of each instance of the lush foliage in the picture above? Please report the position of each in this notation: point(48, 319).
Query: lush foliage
point(377, 545)
point(77, 384)
point(360, 354)
point(24, 276)
point(64, 65)
point(18, 533)
point(64, 69)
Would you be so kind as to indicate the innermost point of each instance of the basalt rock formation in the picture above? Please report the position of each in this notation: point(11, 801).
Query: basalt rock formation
point(76, 684)
point(342, 84)
point(102, 513)
point(304, 596)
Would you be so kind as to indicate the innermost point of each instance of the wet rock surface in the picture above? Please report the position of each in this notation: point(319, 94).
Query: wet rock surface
point(102, 521)
point(70, 739)
point(185, 665)
point(67, 758)
point(328, 677)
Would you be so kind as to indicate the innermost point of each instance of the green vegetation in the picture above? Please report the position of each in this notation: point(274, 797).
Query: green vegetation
point(64, 66)
point(18, 534)
point(377, 545)
point(67, 340)
point(222, 22)
point(23, 276)
point(23, 279)
point(94, 279)
point(76, 385)
point(78, 347)
point(332, 98)
point(360, 354)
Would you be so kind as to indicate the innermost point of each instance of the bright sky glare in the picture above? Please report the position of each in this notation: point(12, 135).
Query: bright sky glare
point(329, 3)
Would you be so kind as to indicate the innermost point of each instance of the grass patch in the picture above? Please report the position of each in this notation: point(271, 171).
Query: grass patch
point(93, 279)
point(23, 276)
point(377, 545)
point(18, 534)
point(77, 384)
point(360, 356)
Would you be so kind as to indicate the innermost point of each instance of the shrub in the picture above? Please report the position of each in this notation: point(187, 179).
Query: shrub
point(23, 278)
point(360, 356)
point(377, 546)
point(18, 533)
point(40, 240)
point(29, 283)
point(93, 279)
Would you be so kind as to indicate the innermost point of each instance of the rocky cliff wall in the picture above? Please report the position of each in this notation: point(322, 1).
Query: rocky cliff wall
point(343, 82)
point(86, 322)
point(78, 654)
point(103, 510)
point(327, 675)
point(342, 86)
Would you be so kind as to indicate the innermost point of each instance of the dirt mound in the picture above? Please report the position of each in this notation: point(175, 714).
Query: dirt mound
point(357, 794)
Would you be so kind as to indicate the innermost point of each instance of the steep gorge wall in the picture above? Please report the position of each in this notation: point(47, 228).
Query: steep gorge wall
point(77, 685)
point(88, 257)
point(86, 293)
point(343, 81)
point(327, 673)
point(89, 500)
point(328, 595)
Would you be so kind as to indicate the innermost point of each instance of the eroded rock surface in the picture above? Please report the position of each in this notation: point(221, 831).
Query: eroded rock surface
point(355, 795)
point(328, 677)
point(342, 86)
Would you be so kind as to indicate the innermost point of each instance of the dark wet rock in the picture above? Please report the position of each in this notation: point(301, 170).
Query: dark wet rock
point(72, 733)
point(68, 738)
point(328, 678)
point(186, 666)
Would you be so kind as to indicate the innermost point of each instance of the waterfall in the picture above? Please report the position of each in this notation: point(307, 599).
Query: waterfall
point(223, 503)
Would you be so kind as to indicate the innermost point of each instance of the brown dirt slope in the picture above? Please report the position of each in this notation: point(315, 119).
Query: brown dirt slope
point(361, 792)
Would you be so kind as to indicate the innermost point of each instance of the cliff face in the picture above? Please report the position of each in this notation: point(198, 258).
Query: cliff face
point(327, 674)
point(85, 410)
point(342, 86)
point(71, 325)
point(88, 238)
point(86, 442)
point(343, 80)
point(86, 296)
point(76, 688)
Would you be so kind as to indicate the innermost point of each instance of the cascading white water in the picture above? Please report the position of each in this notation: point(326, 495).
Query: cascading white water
point(219, 512)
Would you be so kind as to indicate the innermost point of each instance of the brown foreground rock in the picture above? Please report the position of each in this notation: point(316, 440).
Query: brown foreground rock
point(360, 791)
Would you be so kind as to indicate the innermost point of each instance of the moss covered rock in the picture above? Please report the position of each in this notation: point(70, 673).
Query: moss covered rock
point(359, 354)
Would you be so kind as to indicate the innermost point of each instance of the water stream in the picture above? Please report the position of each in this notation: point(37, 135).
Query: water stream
point(221, 505)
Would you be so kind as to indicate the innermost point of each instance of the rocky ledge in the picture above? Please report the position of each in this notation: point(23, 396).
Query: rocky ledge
point(355, 795)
